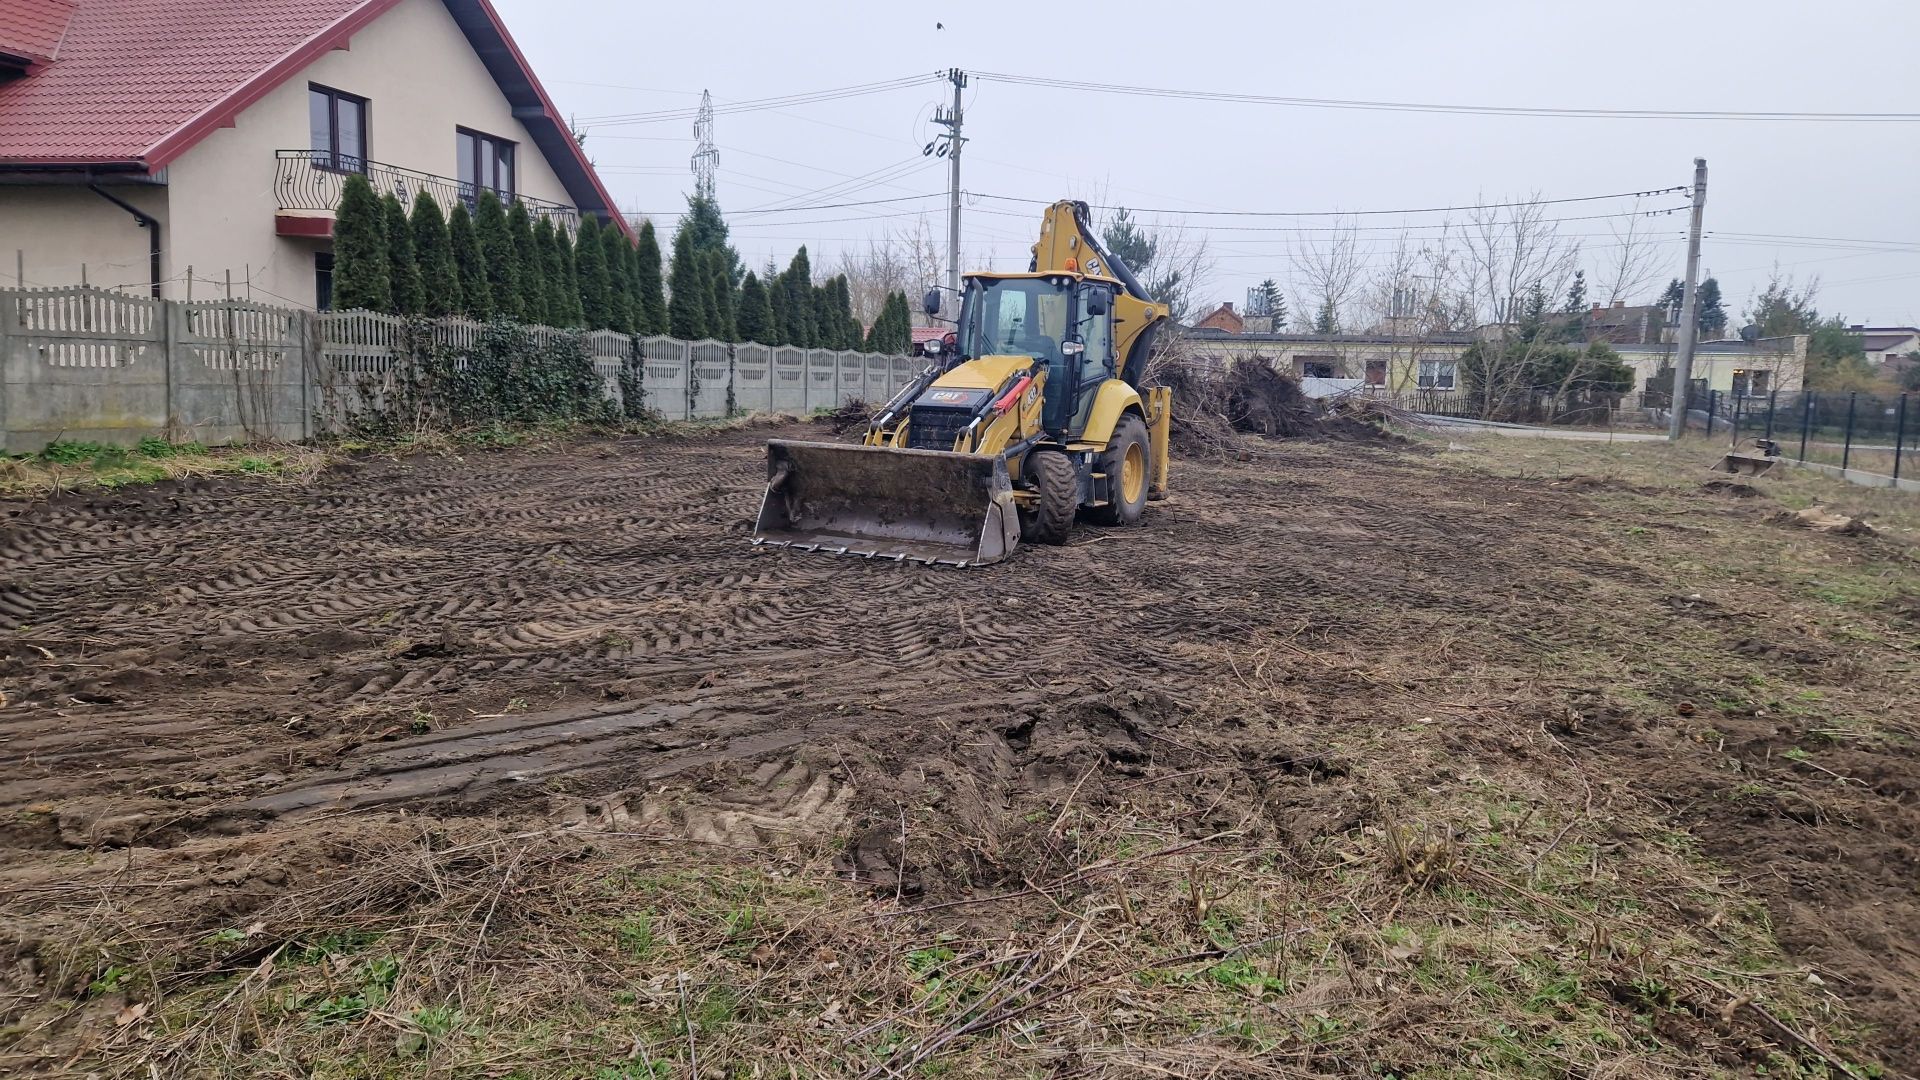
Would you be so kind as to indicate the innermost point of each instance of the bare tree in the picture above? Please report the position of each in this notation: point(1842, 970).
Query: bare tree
point(1173, 265)
point(1634, 262)
point(1512, 263)
point(1328, 269)
point(903, 260)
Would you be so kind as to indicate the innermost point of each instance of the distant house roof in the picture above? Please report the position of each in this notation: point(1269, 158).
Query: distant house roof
point(133, 84)
point(1222, 318)
point(924, 334)
point(1205, 333)
point(1873, 342)
point(32, 29)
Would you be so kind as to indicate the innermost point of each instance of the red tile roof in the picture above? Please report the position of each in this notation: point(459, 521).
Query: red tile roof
point(131, 73)
point(137, 83)
point(33, 28)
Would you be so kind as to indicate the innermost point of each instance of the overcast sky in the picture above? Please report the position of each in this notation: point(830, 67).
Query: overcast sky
point(1839, 183)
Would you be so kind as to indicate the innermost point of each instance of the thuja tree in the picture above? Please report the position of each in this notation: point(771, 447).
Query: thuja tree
point(476, 298)
point(618, 252)
point(403, 273)
point(433, 254)
point(528, 270)
point(496, 252)
point(651, 284)
point(754, 320)
point(361, 276)
point(590, 261)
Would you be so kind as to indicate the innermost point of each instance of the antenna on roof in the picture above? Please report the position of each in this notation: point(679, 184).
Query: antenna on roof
point(706, 156)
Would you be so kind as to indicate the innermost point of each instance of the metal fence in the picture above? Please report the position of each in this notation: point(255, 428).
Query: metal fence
point(1876, 433)
point(94, 365)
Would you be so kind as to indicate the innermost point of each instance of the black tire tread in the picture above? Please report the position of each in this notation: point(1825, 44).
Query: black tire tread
point(1053, 474)
point(1128, 430)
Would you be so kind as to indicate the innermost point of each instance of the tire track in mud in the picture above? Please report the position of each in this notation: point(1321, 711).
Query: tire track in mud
point(215, 633)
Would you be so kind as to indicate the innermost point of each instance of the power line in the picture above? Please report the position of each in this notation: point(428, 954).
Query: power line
point(1354, 213)
point(1382, 228)
point(1432, 107)
point(758, 104)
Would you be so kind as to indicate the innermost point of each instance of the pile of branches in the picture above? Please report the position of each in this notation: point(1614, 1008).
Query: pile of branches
point(1213, 403)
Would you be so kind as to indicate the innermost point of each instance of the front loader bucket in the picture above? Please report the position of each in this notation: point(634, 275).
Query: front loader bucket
point(930, 506)
point(1745, 464)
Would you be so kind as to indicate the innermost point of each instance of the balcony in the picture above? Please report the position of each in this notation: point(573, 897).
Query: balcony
point(308, 184)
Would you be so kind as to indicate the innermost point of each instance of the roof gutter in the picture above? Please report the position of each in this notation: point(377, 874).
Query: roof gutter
point(147, 221)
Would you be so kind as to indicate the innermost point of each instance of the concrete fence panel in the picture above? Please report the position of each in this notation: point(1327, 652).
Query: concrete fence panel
point(712, 380)
point(239, 373)
point(610, 350)
point(665, 376)
point(790, 380)
point(95, 365)
point(753, 377)
point(82, 365)
point(823, 374)
point(852, 380)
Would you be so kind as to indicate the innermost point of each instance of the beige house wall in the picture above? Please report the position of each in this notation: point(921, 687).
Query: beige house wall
point(56, 235)
point(422, 80)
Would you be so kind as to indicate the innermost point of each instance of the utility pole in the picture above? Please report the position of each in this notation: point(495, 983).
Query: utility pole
point(1689, 308)
point(949, 146)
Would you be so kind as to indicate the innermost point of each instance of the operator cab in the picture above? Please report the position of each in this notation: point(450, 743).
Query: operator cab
point(1062, 320)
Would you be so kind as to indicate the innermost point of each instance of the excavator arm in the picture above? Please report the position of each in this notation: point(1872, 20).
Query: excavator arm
point(1069, 244)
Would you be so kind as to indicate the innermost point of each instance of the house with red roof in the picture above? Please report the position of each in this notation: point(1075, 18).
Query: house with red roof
point(165, 145)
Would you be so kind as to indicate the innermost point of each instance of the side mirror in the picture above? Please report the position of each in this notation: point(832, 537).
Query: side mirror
point(1097, 302)
point(931, 302)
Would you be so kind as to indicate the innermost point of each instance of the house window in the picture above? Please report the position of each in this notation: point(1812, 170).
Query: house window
point(323, 280)
point(1376, 373)
point(1436, 374)
point(486, 163)
point(1750, 383)
point(1317, 367)
point(338, 124)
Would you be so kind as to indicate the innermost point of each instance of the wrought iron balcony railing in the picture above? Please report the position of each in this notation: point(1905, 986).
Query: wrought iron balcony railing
point(313, 179)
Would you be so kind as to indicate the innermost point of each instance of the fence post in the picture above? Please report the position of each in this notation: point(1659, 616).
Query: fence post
point(9, 310)
point(1846, 448)
point(1899, 436)
point(1738, 400)
point(732, 400)
point(1807, 398)
point(173, 318)
point(1773, 402)
point(1713, 406)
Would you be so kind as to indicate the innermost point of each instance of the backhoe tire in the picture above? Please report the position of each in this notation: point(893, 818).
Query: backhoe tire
point(1128, 463)
point(1054, 478)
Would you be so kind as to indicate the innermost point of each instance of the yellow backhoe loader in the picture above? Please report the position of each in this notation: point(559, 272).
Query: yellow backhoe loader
point(1034, 413)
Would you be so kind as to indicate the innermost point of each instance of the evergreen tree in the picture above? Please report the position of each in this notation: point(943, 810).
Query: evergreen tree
point(707, 230)
point(776, 285)
point(901, 325)
point(1577, 294)
point(1273, 303)
point(721, 325)
point(754, 321)
point(653, 295)
point(1673, 299)
point(433, 254)
point(636, 306)
point(590, 262)
point(1710, 312)
point(797, 284)
point(570, 264)
point(362, 277)
point(403, 274)
point(1327, 321)
point(476, 299)
point(688, 291)
point(553, 274)
point(496, 253)
point(528, 268)
point(849, 326)
point(826, 331)
point(619, 285)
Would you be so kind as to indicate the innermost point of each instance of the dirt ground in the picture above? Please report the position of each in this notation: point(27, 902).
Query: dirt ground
point(1355, 760)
